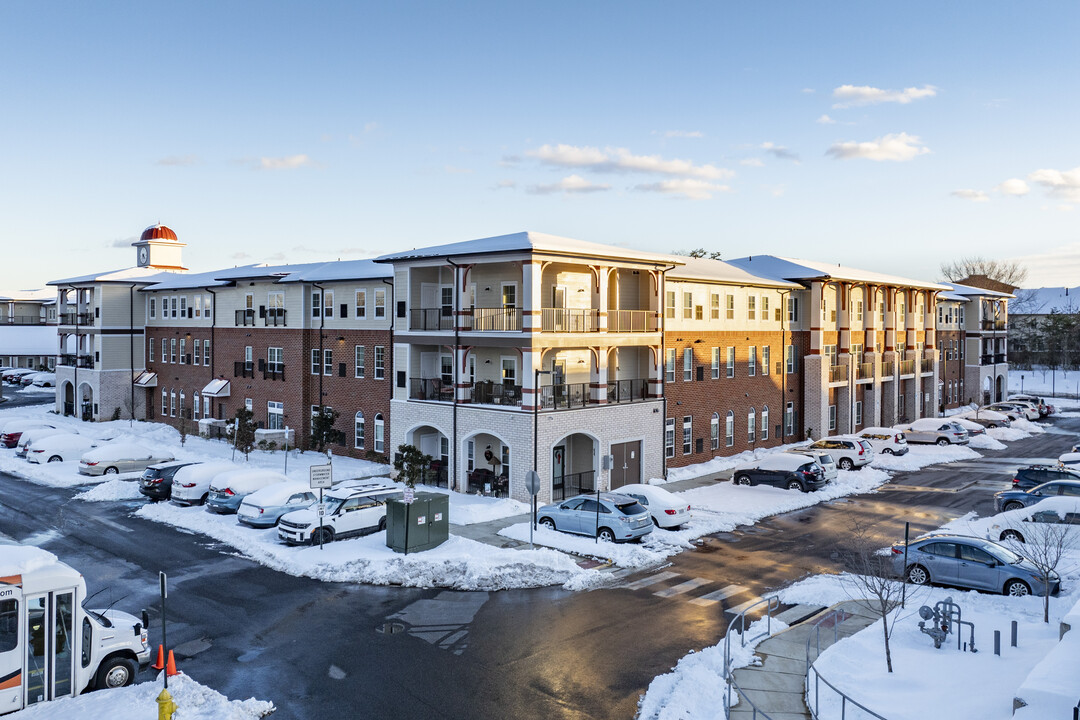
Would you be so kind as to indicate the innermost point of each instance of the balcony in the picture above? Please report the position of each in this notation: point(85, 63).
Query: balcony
point(77, 361)
point(25, 320)
point(838, 373)
point(864, 371)
point(497, 319)
point(431, 319)
point(994, 324)
point(244, 369)
point(274, 371)
point(1000, 358)
point(907, 367)
point(488, 392)
point(633, 321)
point(888, 368)
point(77, 318)
point(569, 320)
point(245, 317)
point(275, 317)
point(624, 391)
point(565, 396)
point(431, 389)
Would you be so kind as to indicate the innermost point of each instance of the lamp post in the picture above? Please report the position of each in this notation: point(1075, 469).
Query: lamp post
point(536, 429)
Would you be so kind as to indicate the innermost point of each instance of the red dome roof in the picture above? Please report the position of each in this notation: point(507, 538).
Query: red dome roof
point(158, 232)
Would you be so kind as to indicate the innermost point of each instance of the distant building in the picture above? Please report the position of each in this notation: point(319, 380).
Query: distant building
point(28, 329)
point(1046, 327)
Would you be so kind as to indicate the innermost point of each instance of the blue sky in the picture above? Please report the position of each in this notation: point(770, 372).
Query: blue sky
point(885, 136)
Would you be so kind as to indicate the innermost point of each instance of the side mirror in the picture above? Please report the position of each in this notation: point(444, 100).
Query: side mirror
point(145, 619)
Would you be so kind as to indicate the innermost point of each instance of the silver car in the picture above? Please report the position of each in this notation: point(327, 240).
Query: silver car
point(613, 517)
point(121, 457)
point(971, 563)
point(938, 431)
point(263, 508)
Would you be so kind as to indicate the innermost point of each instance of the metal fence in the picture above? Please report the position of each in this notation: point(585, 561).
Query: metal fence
point(814, 690)
point(572, 484)
point(771, 604)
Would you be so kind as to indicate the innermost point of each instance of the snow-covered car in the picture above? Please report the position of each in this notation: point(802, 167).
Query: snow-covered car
point(1018, 524)
point(45, 380)
point(191, 484)
point(849, 452)
point(15, 376)
point(937, 431)
point(263, 508)
point(973, 428)
point(782, 470)
point(38, 434)
point(822, 458)
point(887, 441)
point(347, 510)
point(13, 431)
point(987, 418)
point(228, 490)
point(667, 509)
point(1070, 460)
point(1007, 409)
point(1021, 410)
point(1044, 407)
point(59, 448)
point(120, 457)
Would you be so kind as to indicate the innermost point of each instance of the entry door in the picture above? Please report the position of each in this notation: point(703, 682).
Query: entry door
point(49, 648)
point(11, 653)
point(626, 465)
point(558, 465)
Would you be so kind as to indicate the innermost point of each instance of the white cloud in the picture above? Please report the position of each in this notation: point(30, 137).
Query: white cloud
point(808, 91)
point(1063, 184)
point(505, 185)
point(452, 170)
point(621, 160)
point(855, 95)
point(825, 120)
point(973, 195)
point(752, 162)
point(123, 242)
point(780, 152)
point(683, 134)
point(1059, 266)
point(289, 162)
point(1013, 186)
point(898, 147)
point(573, 184)
point(689, 188)
point(179, 160)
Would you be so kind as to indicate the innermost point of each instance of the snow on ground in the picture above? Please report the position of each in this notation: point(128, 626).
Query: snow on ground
point(138, 702)
point(111, 491)
point(986, 442)
point(468, 509)
point(719, 464)
point(919, 456)
point(459, 563)
point(1044, 382)
point(694, 688)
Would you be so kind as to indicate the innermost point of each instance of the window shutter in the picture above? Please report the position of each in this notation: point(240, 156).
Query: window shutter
point(344, 310)
point(262, 364)
point(700, 376)
point(262, 311)
point(401, 308)
point(341, 367)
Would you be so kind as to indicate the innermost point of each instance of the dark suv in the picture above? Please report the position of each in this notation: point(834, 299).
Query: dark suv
point(783, 470)
point(1033, 475)
point(156, 480)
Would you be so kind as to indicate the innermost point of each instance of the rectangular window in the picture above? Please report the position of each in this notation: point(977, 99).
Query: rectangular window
point(172, 403)
point(316, 303)
point(380, 362)
point(183, 306)
point(196, 404)
point(791, 361)
point(764, 307)
point(275, 360)
point(714, 306)
point(859, 311)
point(751, 361)
point(509, 371)
point(153, 308)
point(751, 307)
point(729, 429)
point(716, 363)
point(714, 431)
point(687, 305)
point(730, 307)
point(164, 350)
point(509, 295)
point(669, 437)
point(832, 417)
point(380, 302)
point(669, 304)
point(316, 361)
point(328, 362)
point(670, 369)
point(173, 307)
point(359, 367)
point(470, 456)
point(687, 434)
point(197, 301)
point(275, 415)
point(731, 362)
point(196, 357)
point(361, 303)
point(206, 308)
point(206, 352)
point(793, 310)
point(328, 304)
point(172, 350)
point(446, 370)
point(858, 412)
point(505, 470)
point(751, 426)
point(688, 365)
point(164, 401)
point(765, 360)
point(789, 419)
point(358, 431)
point(379, 434)
point(150, 352)
point(765, 423)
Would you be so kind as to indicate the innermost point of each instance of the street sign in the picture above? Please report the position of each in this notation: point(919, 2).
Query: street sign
point(532, 482)
point(163, 581)
point(321, 476)
point(322, 510)
point(410, 496)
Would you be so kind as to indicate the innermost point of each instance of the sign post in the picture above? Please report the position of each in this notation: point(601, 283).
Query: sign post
point(321, 476)
point(532, 484)
point(163, 582)
point(409, 496)
point(286, 449)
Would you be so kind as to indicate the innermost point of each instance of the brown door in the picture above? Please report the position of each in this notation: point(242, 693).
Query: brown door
point(626, 465)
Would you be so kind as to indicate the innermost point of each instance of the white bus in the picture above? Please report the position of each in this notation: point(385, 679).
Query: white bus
point(50, 646)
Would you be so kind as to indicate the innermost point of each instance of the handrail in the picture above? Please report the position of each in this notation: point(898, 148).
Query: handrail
point(772, 603)
point(837, 615)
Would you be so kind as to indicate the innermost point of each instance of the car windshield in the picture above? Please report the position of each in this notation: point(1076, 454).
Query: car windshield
point(631, 508)
point(331, 504)
point(1005, 555)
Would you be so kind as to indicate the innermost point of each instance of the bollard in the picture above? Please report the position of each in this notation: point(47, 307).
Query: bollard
point(166, 706)
point(1014, 633)
point(997, 642)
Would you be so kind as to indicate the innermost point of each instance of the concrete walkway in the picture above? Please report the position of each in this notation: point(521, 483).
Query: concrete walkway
point(777, 686)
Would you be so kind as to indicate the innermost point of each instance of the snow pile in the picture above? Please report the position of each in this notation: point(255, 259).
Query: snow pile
point(466, 509)
point(919, 456)
point(19, 559)
point(694, 688)
point(986, 442)
point(1007, 434)
point(719, 464)
point(111, 491)
point(138, 702)
point(1052, 687)
point(1029, 426)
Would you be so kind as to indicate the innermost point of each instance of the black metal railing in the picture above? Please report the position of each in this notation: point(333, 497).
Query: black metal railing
point(274, 371)
point(569, 320)
point(25, 320)
point(986, 359)
point(633, 321)
point(77, 318)
point(993, 324)
point(501, 319)
point(564, 396)
point(431, 319)
point(623, 391)
point(488, 392)
point(245, 317)
point(275, 317)
point(1000, 358)
point(430, 389)
point(69, 408)
point(77, 361)
point(243, 368)
point(436, 475)
point(571, 484)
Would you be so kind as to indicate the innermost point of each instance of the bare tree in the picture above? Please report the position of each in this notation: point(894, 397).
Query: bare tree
point(700, 253)
point(1044, 542)
point(1010, 272)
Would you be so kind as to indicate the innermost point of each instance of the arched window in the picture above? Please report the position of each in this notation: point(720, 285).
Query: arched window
point(181, 406)
point(764, 422)
point(358, 431)
point(714, 431)
point(379, 443)
point(729, 429)
point(751, 425)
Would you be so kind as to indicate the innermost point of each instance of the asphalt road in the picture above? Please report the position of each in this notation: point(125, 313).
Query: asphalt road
point(322, 650)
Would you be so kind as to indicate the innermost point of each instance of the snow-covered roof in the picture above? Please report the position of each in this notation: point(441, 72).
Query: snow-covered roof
point(340, 270)
point(127, 275)
point(217, 388)
point(531, 242)
point(27, 339)
point(22, 559)
point(1039, 301)
point(215, 278)
point(718, 271)
point(953, 296)
point(146, 379)
point(968, 291)
point(42, 295)
point(797, 269)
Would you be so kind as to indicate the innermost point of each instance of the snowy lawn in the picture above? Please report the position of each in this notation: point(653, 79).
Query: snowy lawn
point(459, 563)
point(1044, 382)
point(139, 702)
point(919, 456)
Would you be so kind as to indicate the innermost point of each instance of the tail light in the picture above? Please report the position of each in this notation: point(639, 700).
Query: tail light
point(687, 508)
point(1016, 481)
point(228, 491)
point(155, 481)
point(187, 485)
point(896, 550)
point(666, 512)
point(37, 451)
point(262, 510)
point(91, 464)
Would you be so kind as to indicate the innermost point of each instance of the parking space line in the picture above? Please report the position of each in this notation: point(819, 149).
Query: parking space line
point(717, 595)
point(682, 587)
point(742, 606)
point(651, 580)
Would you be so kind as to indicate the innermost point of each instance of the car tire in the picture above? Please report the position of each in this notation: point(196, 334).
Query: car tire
point(606, 534)
point(1012, 506)
point(111, 471)
point(115, 672)
point(382, 524)
point(918, 575)
point(1016, 588)
point(942, 442)
point(794, 485)
point(322, 536)
point(887, 451)
point(56, 458)
point(992, 426)
point(743, 480)
point(845, 464)
point(202, 500)
point(655, 524)
point(1012, 535)
point(548, 523)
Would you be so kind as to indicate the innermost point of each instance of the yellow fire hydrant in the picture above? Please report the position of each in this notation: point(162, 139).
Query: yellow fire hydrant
point(165, 706)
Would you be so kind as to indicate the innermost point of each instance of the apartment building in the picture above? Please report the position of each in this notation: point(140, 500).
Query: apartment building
point(28, 329)
point(984, 327)
point(952, 309)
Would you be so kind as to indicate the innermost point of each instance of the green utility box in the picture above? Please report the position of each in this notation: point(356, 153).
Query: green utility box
point(421, 525)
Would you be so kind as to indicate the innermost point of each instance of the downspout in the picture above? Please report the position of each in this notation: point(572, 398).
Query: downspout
point(213, 342)
point(131, 346)
point(783, 363)
point(661, 285)
point(322, 356)
point(390, 359)
point(457, 351)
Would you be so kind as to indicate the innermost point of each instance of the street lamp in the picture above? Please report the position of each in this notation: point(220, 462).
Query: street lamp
point(536, 429)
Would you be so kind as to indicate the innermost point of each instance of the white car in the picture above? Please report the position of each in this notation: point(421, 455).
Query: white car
point(886, 441)
point(667, 509)
point(1020, 409)
point(1017, 525)
point(59, 448)
point(229, 489)
point(1070, 460)
point(38, 434)
point(973, 428)
point(120, 457)
point(849, 452)
point(346, 511)
point(45, 380)
point(824, 460)
point(937, 431)
point(191, 484)
point(986, 418)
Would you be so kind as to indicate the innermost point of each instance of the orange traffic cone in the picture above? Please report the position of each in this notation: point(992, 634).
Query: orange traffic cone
point(171, 667)
point(160, 663)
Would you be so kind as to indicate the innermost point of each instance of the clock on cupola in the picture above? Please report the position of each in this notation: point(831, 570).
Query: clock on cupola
point(159, 248)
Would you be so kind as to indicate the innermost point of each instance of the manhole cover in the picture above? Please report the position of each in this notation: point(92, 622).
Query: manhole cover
point(390, 628)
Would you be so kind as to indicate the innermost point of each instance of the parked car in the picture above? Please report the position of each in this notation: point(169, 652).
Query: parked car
point(973, 428)
point(15, 376)
point(849, 452)
point(970, 562)
point(613, 517)
point(45, 380)
point(37, 434)
point(228, 489)
point(1032, 475)
point(668, 510)
point(263, 508)
point(1021, 410)
point(59, 448)
point(120, 457)
point(347, 510)
point(784, 470)
point(191, 484)
point(823, 459)
point(1008, 410)
point(156, 481)
point(13, 431)
point(1070, 460)
point(1044, 407)
point(1016, 499)
point(939, 431)
point(887, 441)
point(1031, 409)
point(987, 418)
point(1020, 525)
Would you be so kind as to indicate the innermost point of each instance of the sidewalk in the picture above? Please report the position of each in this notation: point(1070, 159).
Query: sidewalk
point(777, 686)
